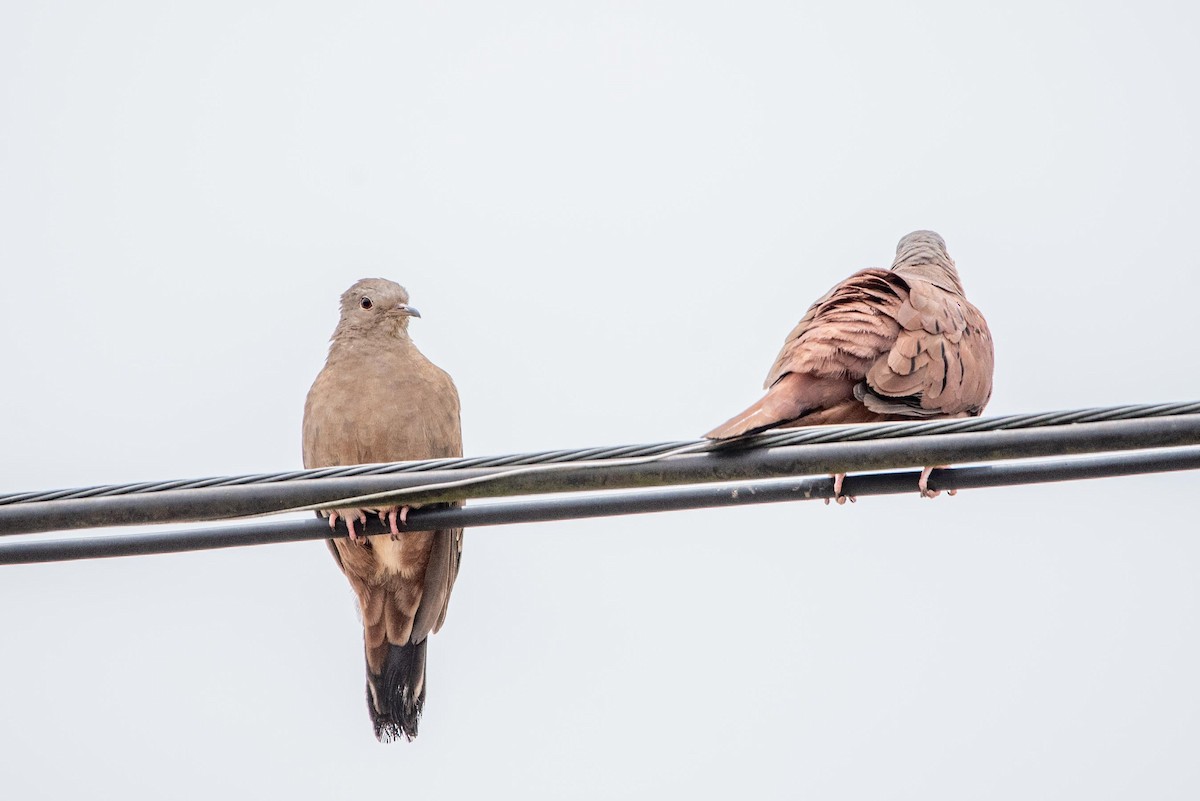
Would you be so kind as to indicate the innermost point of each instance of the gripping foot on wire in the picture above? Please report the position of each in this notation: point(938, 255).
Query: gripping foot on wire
point(923, 483)
point(838, 495)
point(350, 516)
point(391, 515)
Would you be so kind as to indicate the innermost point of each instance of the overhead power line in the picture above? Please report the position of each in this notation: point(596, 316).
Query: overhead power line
point(754, 461)
point(547, 509)
point(811, 451)
point(792, 436)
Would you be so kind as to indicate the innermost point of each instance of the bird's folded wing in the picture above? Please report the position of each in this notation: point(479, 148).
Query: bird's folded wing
point(846, 331)
point(916, 350)
point(439, 582)
point(940, 364)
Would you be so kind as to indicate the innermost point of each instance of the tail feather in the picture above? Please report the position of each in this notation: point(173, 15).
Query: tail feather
point(786, 400)
point(753, 420)
point(792, 400)
point(396, 696)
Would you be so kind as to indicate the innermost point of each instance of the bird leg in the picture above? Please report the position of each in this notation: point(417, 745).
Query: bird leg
point(357, 515)
point(838, 478)
point(392, 514)
point(923, 483)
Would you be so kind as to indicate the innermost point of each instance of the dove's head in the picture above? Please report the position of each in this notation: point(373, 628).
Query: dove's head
point(923, 255)
point(375, 306)
point(930, 240)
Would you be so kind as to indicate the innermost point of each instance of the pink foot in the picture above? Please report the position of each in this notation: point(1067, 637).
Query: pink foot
point(393, 513)
point(838, 478)
point(350, 520)
point(923, 483)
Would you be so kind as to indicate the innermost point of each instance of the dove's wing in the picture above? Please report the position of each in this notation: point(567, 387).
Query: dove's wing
point(878, 346)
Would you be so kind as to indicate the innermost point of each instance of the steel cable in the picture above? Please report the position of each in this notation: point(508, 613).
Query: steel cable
point(781, 453)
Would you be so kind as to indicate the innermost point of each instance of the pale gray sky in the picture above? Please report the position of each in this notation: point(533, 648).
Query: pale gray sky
point(610, 215)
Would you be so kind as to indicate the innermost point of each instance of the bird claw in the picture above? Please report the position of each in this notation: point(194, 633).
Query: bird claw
point(392, 515)
point(358, 516)
point(838, 496)
point(923, 482)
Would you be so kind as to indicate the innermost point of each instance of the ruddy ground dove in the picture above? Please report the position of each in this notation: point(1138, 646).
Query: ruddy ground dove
point(898, 344)
point(378, 399)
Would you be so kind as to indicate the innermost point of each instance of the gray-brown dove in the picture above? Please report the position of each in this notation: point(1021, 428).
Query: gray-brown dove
point(378, 399)
point(898, 344)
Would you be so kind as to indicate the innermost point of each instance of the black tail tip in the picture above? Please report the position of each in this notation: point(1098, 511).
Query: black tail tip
point(390, 729)
point(396, 697)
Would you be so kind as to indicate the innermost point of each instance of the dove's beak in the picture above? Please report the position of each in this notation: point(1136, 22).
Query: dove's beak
point(408, 311)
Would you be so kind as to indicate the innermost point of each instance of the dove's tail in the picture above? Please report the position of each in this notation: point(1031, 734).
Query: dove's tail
point(755, 419)
point(798, 399)
point(396, 696)
point(786, 400)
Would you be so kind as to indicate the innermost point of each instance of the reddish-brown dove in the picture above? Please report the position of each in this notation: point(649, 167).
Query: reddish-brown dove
point(378, 399)
point(898, 344)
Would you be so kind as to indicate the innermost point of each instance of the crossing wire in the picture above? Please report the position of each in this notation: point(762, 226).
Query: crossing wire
point(33, 550)
point(788, 452)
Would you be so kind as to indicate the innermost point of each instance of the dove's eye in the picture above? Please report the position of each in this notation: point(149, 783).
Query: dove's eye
point(366, 303)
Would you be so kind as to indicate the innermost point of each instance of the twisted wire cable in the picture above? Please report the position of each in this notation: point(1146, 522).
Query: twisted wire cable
point(573, 507)
point(772, 439)
point(796, 452)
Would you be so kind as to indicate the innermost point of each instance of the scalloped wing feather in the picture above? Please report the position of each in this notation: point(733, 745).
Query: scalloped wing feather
point(878, 346)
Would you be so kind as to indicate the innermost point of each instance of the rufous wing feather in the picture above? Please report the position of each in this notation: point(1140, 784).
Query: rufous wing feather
point(882, 345)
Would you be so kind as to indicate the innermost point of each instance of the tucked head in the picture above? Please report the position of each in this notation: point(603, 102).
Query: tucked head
point(375, 304)
point(927, 240)
point(923, 254)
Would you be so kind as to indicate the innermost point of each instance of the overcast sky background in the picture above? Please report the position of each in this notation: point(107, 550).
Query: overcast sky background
point(610, 215)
